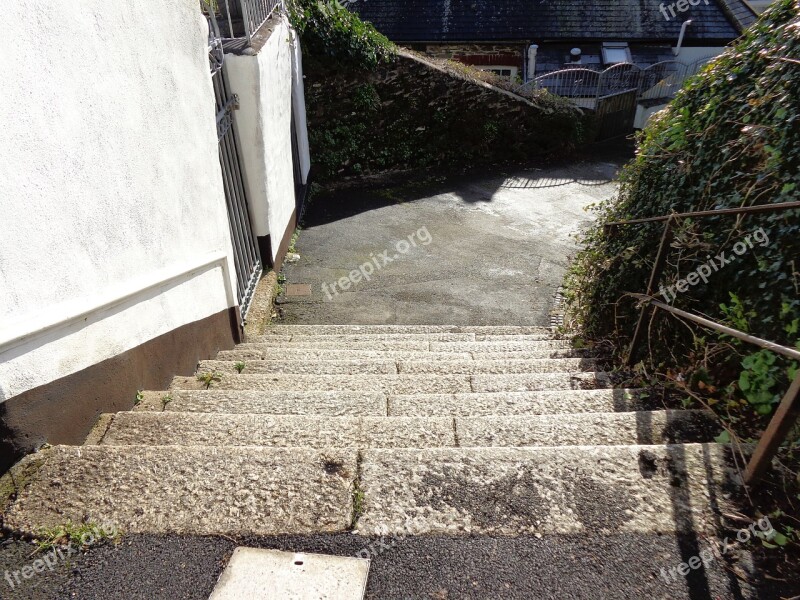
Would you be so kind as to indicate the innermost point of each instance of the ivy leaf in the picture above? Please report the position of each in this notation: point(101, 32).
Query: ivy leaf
point(780, 539)
point(723, 438)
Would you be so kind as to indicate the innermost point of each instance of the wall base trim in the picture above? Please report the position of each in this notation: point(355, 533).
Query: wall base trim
point(64, 411)
point(265, 245)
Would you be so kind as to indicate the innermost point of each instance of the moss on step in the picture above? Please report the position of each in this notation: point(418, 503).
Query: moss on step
point(18, 477)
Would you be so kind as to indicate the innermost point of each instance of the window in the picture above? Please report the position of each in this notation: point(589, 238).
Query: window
point(616, 52)
point(502, 71)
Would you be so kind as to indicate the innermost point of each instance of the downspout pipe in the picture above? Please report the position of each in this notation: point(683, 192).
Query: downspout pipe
point(532, 49)
point(676, 50)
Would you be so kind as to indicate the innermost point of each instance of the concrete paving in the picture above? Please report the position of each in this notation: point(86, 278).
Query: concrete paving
point(258, 574)
point(481, 250)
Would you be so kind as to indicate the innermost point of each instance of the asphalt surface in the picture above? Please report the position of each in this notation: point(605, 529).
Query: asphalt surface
point(412, 568)
point(470, 250)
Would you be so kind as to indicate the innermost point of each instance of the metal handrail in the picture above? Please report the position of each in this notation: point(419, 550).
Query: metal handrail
point(251, 13)
point(256, 13)
point(777, 207)
point(708, 323)
point(788, 410)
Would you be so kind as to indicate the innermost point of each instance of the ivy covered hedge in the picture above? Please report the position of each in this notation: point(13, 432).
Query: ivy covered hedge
point(730, 138)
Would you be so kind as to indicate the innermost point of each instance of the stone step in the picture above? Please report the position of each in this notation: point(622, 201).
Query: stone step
point(329, 345)
point(401, 329)
point(519, 403)
point(401, 384)
point(388, 367)
point(563, 490)
point(330, 403)
point(498, 346)
point(245, 352)
point(317, 367)
point(188, 490)
point(365, 404)
point(203, 429)
point(609, 429)
point(541, 365)
point(367, 337)
point(210, 490)
point(307, 343)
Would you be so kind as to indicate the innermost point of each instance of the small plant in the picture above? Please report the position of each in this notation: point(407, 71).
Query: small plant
point(358, 503)
point(80, 535)
point(139, 397)
point(293, 242)
point(239, 367)
point(208, 378)
point(165, 400)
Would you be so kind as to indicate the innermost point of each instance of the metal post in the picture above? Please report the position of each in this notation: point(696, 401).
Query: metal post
point(230, 21)
point(248, 22)
point(655, 276)
point(779, 427)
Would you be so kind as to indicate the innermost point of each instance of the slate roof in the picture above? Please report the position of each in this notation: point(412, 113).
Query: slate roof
point(551, 20)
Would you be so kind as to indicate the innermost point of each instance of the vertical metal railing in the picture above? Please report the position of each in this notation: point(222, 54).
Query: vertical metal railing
point(661, 80)
point(256, 12)
point(245, 250)
point(246, 258)
point(243, 18)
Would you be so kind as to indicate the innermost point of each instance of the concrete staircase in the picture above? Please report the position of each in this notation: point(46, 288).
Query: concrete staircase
point(387, 429)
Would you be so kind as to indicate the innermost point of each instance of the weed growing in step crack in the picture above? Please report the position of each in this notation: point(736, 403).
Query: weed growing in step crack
point(208, 378)
point(165, 400)
point(139, 397)
point(80, 535)
point(239, 367)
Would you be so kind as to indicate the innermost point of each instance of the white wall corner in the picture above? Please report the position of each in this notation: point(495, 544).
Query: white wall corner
point(299, 102)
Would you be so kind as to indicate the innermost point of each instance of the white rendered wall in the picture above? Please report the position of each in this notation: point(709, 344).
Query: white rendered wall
point(686, 56)
point(689, 54)
point(299, 104)
point(263, 83)
point(109, 182)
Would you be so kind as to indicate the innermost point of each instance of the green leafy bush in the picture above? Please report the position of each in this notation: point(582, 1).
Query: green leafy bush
point(730, 138)
point(327, 28)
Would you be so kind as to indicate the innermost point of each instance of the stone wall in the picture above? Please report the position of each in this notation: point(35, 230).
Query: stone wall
point(416, 114)
point(481, 54)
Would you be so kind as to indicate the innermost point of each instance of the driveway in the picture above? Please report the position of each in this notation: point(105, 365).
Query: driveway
point(478, 250)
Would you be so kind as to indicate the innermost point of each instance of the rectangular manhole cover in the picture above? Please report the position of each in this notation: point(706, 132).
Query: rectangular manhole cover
point(258, 574)
point(298, 289)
